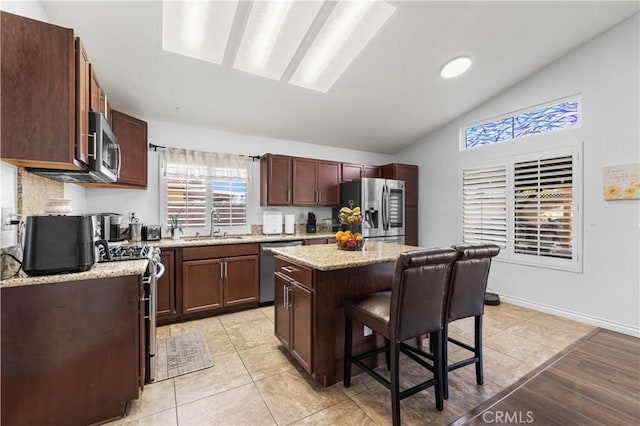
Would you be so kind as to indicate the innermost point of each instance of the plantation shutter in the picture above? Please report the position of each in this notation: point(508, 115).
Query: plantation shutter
point(230, 202)
point(484, 208)
point(198, 183)
point(187, 199)
point(544, 207)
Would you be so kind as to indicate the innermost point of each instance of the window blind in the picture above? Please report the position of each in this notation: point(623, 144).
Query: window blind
point(198, 183)
point(543, 212)
point(187, 199)
point(484, 204)
point(230, 202)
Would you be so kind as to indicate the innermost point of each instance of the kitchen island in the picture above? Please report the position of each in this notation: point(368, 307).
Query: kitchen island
point(311, 284)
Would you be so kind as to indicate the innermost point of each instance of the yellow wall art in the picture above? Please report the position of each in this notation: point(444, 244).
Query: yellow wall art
point(621, 182)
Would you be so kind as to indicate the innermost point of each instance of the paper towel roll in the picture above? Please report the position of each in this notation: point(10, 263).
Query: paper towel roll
point(290, 224)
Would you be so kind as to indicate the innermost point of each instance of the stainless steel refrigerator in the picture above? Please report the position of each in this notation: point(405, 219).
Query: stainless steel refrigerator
point(382, 204)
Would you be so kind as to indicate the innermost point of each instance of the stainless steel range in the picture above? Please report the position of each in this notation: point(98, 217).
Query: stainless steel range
point(154, 271)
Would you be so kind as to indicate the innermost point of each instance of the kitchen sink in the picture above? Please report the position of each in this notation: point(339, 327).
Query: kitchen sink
point(216, 237)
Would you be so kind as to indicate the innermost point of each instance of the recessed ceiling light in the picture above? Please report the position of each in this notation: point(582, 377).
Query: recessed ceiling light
point(455, 67)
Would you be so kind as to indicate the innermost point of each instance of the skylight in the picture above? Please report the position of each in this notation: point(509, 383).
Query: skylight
point(306, 43)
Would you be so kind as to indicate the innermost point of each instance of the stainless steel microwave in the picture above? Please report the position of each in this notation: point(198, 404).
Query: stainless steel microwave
point(105, 157)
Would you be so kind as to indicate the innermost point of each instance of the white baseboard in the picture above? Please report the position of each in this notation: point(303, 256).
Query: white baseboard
point(576, 316)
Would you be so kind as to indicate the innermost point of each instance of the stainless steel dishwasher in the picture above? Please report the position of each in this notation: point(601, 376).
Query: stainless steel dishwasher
point(267, 264)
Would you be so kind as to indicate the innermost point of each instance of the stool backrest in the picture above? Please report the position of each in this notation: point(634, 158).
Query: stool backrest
point(469, 280)
point(418, 295)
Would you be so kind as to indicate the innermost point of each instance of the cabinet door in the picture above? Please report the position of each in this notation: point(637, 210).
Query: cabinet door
point(282, 318)
point(411, 225)
point(370, 171)
point(201, 285)
point(95, 92)
point(302, 326)
point(241, 280)
point(275, 180)
point(82, 102)
point(132, 138)
point(38, 93)
point(351, 172)
point(167, 287)
point(304, 181)
point(409, 174)
point(328, 183)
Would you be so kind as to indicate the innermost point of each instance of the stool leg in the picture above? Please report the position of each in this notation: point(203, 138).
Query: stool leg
point(386, 354)
point(478, 349)
point(395, 382)
point(438, 370)
point(444, 350)
point(348, 330)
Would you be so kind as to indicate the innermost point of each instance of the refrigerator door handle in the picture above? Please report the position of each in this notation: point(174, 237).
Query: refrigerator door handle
point(384, 207)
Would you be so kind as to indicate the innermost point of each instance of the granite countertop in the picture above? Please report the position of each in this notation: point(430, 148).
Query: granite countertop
point(101, 270)
point(327, 257)
point(233, 239)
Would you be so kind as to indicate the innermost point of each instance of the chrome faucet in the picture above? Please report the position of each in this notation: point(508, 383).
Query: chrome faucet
point(213, 231)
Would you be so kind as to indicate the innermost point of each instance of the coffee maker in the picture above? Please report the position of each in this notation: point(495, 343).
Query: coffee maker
point(110, 226)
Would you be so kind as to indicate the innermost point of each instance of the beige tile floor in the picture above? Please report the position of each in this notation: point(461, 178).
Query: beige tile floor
point(255, 382)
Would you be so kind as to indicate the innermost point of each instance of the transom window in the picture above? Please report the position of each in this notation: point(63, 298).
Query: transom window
point(542, 119)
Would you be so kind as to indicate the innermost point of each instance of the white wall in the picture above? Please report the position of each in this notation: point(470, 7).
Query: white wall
point(607, 293)
point(9, 176)
point(145, 203)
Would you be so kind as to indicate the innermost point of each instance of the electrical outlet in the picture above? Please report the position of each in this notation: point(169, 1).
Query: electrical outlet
point(8, 213)
point(367, 331)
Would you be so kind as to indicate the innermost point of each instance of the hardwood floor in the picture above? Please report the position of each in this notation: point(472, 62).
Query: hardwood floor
point(596, 381)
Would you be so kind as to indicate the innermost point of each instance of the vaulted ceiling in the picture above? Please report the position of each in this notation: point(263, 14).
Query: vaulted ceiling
point(389, 97)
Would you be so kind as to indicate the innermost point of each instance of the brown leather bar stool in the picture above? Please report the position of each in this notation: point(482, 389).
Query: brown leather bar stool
point(466, 299)
point(414, 307)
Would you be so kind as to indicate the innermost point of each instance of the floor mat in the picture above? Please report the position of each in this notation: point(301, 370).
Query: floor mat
point(178, 355)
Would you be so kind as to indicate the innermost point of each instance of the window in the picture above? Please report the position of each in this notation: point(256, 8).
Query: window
point(187, 199)
point(199, 183)
point(543, 207)
point(541, 119)
point(230, 202)
point(527, 204)
point(484, 206)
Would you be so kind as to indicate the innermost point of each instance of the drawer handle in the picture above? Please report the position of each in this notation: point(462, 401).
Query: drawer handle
point(289, 269)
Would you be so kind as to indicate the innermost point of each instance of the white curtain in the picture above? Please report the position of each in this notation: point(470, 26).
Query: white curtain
point(187, 163)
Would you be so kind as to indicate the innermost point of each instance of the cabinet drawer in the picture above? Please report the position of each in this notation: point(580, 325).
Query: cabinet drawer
point(296, 272)
point(213, 252)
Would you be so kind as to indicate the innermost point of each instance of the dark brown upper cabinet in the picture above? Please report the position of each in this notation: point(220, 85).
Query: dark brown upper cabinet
point(39, 100)
point(132, 139)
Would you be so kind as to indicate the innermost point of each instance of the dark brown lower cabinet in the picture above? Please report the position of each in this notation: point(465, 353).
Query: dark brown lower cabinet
point(282, 317)
point(201, 285)
point(210, 282)
point(71, 351)
point(294, 311)
point(166, 291)
point(241, 280)
point(301, 306)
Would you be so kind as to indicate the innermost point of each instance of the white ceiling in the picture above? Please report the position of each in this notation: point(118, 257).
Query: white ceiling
point(390, 96)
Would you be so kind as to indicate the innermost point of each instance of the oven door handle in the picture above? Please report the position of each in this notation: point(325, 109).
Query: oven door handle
point(159, 270)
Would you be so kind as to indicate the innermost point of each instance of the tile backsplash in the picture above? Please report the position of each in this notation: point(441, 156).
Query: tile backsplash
point(33, 192)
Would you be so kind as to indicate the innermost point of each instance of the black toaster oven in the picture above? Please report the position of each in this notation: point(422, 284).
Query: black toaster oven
point(151, 232)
